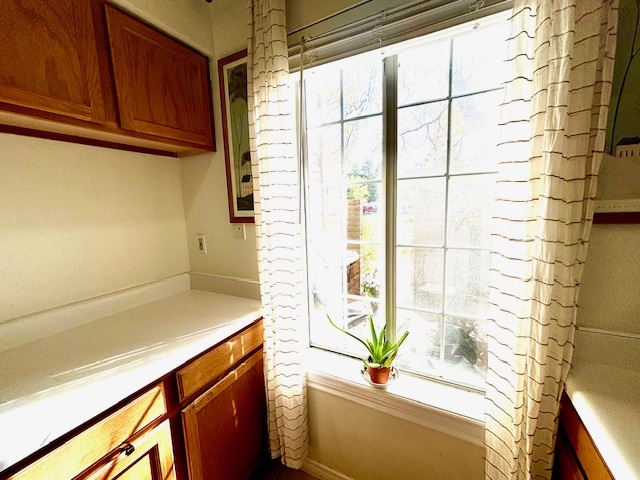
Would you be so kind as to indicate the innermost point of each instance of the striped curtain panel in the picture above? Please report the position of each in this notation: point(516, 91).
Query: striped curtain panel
point(554, 117)
point(276, 198)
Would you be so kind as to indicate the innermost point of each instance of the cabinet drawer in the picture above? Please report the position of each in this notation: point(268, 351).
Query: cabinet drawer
point(214, 363)
point(151, 458)
point(88, 447)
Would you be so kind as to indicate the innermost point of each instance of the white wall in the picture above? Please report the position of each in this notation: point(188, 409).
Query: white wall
point(78, 221)
point(610, 293)
point(366, 444)
point(187, 20)
point(301, 13)
point(609, 301)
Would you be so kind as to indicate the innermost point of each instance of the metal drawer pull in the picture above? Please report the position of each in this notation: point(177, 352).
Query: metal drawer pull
point(128, 449)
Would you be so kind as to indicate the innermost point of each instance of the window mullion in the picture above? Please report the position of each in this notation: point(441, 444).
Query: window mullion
point(390, 177)
point(443, 324)
point(343, 170)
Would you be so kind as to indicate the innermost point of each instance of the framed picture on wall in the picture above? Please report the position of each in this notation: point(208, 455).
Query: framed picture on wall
point(232, 74)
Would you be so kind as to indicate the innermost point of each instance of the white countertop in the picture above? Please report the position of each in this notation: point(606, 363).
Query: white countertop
point(607, 399)
point(51, 385)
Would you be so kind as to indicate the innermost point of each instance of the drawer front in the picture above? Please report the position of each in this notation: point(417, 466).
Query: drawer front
point(86, 448)
point(213, 364)
point(150, 458)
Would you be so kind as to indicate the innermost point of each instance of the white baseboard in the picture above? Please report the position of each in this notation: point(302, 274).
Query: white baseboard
point(321, 471)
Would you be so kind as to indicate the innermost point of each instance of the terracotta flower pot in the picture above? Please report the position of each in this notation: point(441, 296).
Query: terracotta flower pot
point(379, 375)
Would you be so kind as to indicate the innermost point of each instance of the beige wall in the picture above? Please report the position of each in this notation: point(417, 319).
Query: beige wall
point(366, 444)
point(187, 20)
point(230, 266)
point(301, 13)
point(610, 293)
point(78, 221)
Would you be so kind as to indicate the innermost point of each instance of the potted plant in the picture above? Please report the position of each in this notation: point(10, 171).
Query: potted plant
point(382, 352)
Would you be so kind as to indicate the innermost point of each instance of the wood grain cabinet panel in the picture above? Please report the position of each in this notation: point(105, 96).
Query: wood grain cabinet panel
point(576, 454)
point(210, 366)
point(162, 87)
point(95, 443)
point(49, 59)
point(151, 458)
point(565, 466)
point(224, 428)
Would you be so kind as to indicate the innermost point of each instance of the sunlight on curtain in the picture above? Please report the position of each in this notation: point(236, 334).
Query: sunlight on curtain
point(276, 194)
point(560, 60)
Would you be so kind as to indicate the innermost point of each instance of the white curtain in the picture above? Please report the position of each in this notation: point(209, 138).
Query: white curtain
point(552, 139)
point(275, 177)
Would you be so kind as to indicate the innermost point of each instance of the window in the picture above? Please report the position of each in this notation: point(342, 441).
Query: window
point(400, 175)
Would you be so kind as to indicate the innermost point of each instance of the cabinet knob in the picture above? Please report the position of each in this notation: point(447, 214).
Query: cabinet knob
point(128, 449)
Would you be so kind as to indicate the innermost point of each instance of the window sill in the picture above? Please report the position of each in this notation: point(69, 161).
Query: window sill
point(453, 411)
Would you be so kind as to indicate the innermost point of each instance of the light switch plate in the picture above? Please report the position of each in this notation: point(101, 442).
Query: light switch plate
point(202, 243)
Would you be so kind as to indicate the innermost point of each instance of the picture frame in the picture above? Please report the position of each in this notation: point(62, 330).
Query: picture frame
point(232, 76)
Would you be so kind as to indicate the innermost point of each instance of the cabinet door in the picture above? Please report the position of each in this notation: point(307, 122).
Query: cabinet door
point(565, 464)
point(49, 60)
point(148, 458)
point(586, 453)
point(162, 86)
point(224, 428)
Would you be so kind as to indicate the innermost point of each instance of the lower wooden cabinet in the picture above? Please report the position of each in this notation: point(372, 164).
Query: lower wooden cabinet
point(105, 439)
point(576, 456)
point(222, 418)
point(224, 428)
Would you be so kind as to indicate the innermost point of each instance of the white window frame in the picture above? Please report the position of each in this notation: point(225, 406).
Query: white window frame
point(454, 410)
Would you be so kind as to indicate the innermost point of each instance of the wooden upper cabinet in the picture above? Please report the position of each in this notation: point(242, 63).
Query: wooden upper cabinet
point(49, 59)
point(162, 86)
point(83, 71)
